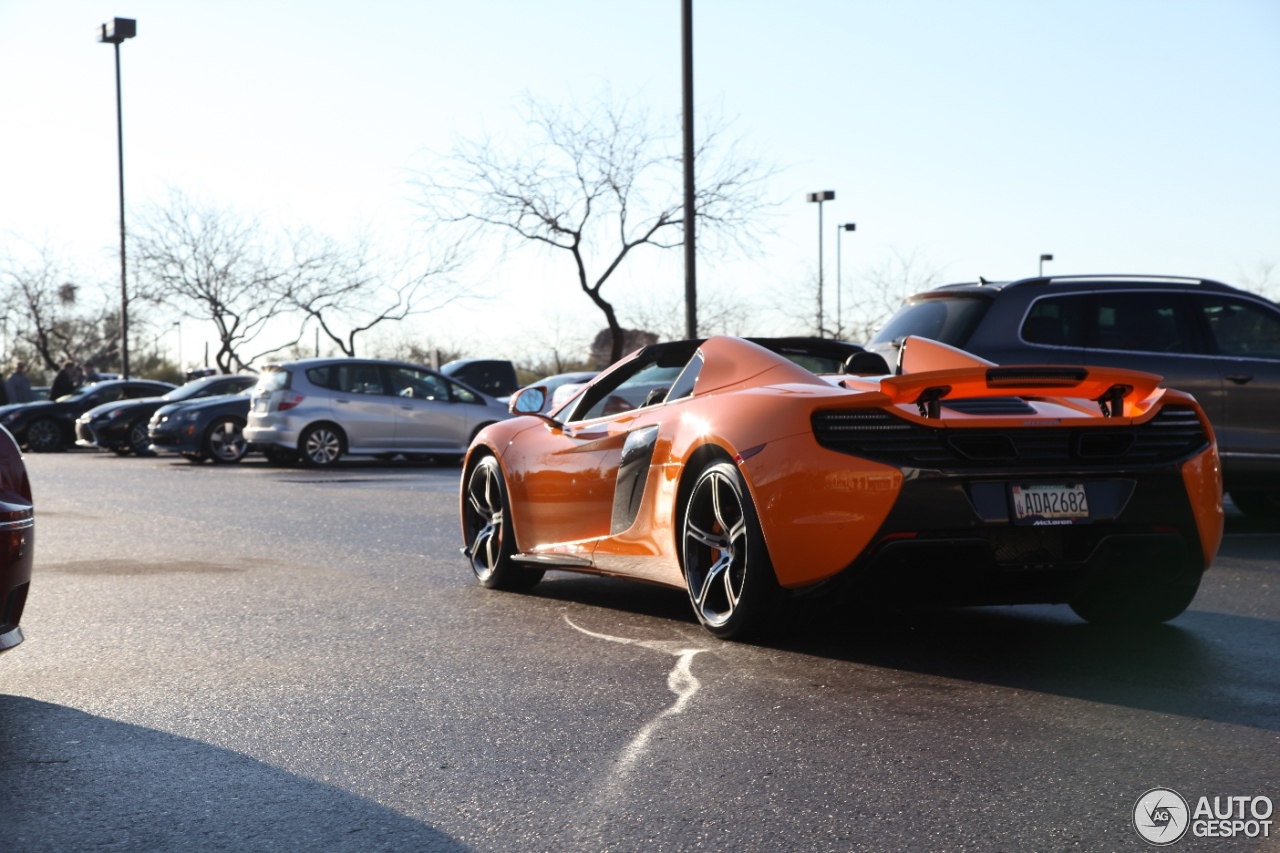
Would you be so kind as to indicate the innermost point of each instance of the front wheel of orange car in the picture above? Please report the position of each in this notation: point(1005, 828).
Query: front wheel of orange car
point(734, 591)
point(489, 540)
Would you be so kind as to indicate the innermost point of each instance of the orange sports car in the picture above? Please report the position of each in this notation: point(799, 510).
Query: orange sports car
point(727, 469)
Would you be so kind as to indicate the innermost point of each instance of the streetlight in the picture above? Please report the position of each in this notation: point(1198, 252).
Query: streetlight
point(820, 197)
point(114, 32)
point(177, 324)
point(1044, 258)
point(840, 229)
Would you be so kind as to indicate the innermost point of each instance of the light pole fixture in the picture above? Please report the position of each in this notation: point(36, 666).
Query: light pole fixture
point(114, 32)
point(840, 229)
point(177, 324)
point(820, 197)
point(690, 197)
point(1044, 258)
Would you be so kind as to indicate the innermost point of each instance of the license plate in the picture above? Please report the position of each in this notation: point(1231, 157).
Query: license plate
point(1050, 504)
point(259, 405)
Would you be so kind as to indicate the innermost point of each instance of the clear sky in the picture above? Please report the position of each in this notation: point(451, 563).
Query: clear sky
point(1121, 136)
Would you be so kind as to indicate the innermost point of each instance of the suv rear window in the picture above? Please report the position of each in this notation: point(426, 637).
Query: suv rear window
point(1056, 321)
point(273, 379)
point(949, 320)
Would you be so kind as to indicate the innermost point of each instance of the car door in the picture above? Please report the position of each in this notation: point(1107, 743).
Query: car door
point(1155, 331)
point(1245, 339)
point(563, 476)
point(428, 416)
point(363, 406)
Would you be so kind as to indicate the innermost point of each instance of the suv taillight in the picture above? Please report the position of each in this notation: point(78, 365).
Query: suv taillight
point(288, 401)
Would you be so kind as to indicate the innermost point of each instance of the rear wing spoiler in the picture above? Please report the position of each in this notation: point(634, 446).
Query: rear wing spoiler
point(932, 371)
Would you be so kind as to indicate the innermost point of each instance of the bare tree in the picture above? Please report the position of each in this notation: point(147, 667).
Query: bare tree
point(597, 183)
point(44, 309)
point(719, 313)
point(348, 290)
point(874, 294)
point(879, 291)
point(211, 264)
point(1263, 279)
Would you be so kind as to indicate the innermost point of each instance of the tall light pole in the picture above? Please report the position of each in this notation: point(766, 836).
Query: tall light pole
point(820, 197)
point(690, 208)
point(1044, 258)
point(177, 324)
point(114, 32)
point(840, 229)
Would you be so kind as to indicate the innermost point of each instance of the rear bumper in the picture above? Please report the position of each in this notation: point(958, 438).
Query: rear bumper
point(261, 438)
point(953, 540)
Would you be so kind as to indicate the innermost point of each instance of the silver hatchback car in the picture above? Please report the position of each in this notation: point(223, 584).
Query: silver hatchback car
point(319, 409)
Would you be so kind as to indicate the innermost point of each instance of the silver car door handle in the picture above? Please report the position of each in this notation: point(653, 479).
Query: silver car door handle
point(407, 408)
point(341, 401)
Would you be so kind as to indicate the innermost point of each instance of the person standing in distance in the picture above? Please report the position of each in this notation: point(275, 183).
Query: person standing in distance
point(64, 383)
point(18, 385)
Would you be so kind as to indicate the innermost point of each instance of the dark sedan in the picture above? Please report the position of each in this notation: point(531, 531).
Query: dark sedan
point(202, 429)
point(121, 426)
point(49, 425)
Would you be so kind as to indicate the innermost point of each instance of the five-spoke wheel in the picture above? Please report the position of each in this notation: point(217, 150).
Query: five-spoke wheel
point(726, 565)
point(224, 442)
point(487, 529)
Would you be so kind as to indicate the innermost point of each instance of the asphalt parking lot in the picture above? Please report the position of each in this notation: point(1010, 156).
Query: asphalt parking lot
point(255, 658)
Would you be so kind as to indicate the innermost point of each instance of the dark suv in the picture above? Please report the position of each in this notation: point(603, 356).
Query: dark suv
point(1216, 342)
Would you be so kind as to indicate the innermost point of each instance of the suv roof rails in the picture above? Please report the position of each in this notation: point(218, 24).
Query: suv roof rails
point(1206, 283)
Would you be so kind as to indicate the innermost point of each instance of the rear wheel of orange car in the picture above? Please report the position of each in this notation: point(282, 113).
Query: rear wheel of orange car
point(726, 565)
point(1134, 600)
point(489, 540)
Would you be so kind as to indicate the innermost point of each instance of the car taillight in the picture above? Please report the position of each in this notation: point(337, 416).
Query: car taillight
point(288, 401)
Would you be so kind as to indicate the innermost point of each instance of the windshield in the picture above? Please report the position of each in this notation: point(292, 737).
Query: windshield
point(949, 320)
point(186, 392)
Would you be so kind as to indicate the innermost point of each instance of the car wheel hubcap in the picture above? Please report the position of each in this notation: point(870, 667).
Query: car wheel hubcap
point(484, 521)
point(323, 447)
point(227, 441)
point(715, 548)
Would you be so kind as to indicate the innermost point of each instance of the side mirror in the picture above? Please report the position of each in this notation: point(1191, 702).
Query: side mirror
point(528, 401)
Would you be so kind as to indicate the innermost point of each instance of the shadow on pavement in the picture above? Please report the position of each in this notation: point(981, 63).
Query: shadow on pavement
point(1202, 665)
point(74, 781)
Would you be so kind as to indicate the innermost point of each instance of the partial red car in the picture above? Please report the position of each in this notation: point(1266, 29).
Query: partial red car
point(730, 471)
point(17, 540)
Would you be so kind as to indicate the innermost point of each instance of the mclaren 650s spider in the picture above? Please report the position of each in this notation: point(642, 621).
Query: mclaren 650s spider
point(729, 470)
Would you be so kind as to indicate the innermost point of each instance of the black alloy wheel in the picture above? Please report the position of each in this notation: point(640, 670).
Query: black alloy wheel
point(44, 436)
point(139, 441)
point(731, 582)
point(320, 446)
point(224, 441)
point(1133, 596)
point(487, 530)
